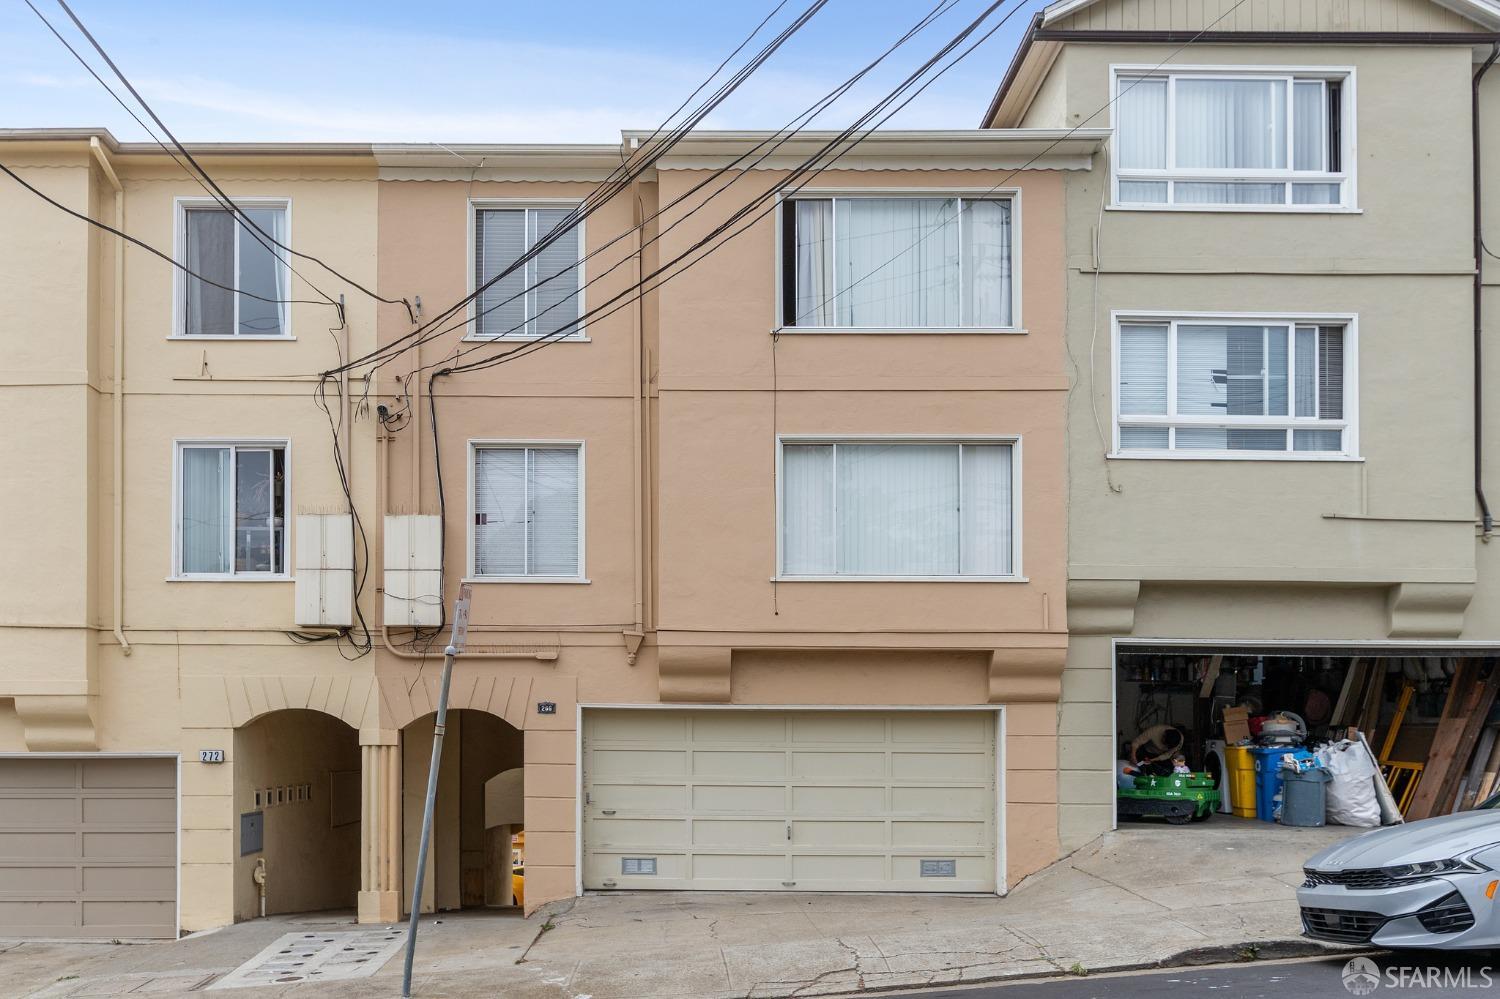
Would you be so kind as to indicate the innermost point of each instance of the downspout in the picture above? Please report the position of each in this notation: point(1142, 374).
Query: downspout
point(1487, 522)
point(118, 400)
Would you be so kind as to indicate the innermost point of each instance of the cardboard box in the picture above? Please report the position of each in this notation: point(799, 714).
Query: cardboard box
point(1236, 725)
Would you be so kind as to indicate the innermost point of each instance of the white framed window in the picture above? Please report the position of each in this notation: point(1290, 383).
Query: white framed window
point(527, 504)
point(875, 261)
point(899, 508)
point(214, 243)
point(540, 299)
point(229, 509)
point(1233, 139)
point(1235, 386)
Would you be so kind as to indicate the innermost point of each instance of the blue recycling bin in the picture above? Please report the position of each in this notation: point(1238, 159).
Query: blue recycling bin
point(1268, 776)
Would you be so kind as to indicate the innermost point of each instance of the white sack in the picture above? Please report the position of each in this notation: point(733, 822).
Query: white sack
point(1352, 800)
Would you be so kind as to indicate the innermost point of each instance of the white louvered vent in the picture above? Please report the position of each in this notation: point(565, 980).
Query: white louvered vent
point(413, 571)
point(324, 556)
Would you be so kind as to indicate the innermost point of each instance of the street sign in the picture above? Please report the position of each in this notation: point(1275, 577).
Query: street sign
point(461, 618)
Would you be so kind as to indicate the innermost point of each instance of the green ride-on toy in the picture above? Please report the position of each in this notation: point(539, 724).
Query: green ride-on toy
point(1178, 798)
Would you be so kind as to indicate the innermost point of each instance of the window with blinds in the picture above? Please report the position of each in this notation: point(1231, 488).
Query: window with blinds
point(542, 298)
point(1242, 389)
point(898, 509)
point(1231, 138)
point(527, 511)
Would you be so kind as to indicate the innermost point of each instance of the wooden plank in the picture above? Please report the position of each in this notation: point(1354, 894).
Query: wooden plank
point(1464, 712)
point(1211, 675)
point(1476, 769)
point(1491, 771)
point(1353, 678)
point(1369, 716)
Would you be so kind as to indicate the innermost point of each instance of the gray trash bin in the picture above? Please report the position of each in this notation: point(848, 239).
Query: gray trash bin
point(1304, 796)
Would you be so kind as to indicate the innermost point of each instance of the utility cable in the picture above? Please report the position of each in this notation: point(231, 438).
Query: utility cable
point(227, 202)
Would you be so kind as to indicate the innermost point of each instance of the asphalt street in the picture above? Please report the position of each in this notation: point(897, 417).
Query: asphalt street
point(1421, 973)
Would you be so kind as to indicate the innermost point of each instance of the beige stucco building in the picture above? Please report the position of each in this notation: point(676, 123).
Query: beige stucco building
point(767, 565)
point(1345, 251)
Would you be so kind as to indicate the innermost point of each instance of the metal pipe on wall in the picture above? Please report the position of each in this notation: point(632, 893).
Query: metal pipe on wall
point(1487, 522)
point(117, 306)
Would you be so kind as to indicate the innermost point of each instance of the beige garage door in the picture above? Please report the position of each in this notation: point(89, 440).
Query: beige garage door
point(807, 800)
point(88, 847)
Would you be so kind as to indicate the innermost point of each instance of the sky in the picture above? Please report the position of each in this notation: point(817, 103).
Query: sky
point(497, 71)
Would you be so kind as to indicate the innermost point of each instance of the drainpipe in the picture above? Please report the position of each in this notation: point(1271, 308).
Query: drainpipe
point(1487, 522)
point(118, 401)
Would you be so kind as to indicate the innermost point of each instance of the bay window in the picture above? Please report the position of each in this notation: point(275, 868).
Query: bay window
point(908, 263)
point(1233, 388)
point(527, 503)
point(1243, 139)
point(231, 510)
point(898, 509)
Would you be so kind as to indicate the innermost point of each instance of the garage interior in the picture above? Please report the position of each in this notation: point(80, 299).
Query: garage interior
point(1415, 708)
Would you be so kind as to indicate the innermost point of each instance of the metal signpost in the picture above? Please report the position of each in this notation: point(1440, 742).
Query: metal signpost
point(455, 646)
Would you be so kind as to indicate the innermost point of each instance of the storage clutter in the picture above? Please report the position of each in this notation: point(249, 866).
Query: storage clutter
point(1286, 737)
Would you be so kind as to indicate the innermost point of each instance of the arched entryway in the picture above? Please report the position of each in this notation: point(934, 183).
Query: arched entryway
point(297, 808)
point(469, 863)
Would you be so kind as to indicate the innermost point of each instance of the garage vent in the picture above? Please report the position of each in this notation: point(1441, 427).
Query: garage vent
point(637, 865)
point(939, 868)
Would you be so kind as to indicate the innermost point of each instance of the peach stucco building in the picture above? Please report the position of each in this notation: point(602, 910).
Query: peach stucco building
point(767, 563)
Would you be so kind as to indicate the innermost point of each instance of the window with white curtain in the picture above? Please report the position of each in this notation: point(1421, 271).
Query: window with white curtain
point(239, 281)
point(910, 263)
point(542, 298)
point(898, 508)
point(1241, 388)
point(1232, 138)
point(528, 507)
point(231, 510)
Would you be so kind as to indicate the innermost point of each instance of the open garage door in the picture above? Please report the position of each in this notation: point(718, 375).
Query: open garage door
point(88, 847)
point(776, 799)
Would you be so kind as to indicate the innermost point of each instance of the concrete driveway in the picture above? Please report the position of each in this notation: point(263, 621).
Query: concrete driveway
point(1139, 897)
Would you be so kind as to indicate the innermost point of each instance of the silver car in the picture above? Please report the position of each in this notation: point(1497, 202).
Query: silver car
point(1423, 884)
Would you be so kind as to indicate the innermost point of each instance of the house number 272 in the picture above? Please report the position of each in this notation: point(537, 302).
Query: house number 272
point(210, 756)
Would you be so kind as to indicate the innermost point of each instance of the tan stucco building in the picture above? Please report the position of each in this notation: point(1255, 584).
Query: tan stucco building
point(768, 564)
point(1329, 513)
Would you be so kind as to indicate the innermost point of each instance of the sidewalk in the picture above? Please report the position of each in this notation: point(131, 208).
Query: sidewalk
point(1142, 896)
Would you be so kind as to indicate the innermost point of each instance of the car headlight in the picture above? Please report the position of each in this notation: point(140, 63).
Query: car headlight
point(1433, 868)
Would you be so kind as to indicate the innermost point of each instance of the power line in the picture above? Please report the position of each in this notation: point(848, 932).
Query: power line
point(147, 246)
point(610, 186)
point(225, 200)
point(734, 169)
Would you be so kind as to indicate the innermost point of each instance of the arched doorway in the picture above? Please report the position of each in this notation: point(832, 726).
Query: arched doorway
point(297, 805)
point(468, 864)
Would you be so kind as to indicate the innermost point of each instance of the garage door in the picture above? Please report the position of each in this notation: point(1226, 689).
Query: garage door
point(807, 800)
point(88, 847)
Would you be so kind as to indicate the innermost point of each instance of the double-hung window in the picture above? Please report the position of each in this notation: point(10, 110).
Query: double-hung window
point(541, 298)
point(1242, 388)
point(899, 508)
point(231, 510)
point(238, 285)
point(528, 511)
point(902, 263)
point(1232, 139)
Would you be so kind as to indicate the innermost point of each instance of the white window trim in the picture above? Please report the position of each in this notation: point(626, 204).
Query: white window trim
point(472, 574)
point(177, 575)
point(580, 334)
point(1350, 322)
point(1012, 194)
point(1017, 574)
point(180, 206)
point(1348, 135)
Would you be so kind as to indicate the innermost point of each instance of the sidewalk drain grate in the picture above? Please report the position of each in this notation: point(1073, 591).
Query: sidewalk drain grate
point(316, 957)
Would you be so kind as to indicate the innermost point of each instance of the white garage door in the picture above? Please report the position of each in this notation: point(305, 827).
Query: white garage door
point(807, 800)
point(88, 847)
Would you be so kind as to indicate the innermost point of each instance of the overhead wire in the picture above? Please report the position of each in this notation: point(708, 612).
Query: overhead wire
point(618, 181)
point(225, 201)
point(736, 170)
